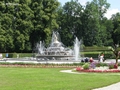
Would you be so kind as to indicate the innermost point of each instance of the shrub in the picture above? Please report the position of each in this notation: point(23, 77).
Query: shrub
point(115, 66)
point(111, 65)
point(10, 55)
point(86, 66)
point(101, 64)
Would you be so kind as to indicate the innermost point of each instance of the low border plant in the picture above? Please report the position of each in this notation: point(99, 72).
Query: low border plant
point(91, 67)
point(111, 65)
point(86, 66)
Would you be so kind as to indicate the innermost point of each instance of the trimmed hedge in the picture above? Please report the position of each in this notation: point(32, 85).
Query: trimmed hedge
point(93, 49)
point(85, 54)
point(14, 55)
point(95, 55)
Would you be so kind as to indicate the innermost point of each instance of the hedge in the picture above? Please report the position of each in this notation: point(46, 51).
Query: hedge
point(14, 55)
point(95, 55)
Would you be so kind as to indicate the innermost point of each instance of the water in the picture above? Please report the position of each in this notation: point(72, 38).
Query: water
point(40, 48)
point(57, 50)
point(77, 49)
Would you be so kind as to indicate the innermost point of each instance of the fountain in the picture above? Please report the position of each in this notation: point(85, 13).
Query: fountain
point(57, 51)
point(77, 49)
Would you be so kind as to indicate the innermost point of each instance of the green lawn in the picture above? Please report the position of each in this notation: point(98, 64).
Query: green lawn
point(51, 79)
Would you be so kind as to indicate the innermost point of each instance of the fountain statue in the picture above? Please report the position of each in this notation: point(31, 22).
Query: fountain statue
point(57, 50)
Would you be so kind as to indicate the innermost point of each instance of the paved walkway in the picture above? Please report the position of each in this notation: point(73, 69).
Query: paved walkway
point(115, 86)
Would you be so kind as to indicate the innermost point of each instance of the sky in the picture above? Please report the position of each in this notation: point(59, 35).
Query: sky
point(114, 6)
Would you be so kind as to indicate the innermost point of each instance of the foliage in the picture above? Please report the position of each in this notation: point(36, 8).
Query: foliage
point(70, 25)
point(24, 23)
point(111, 65)
point(116, 30)
point(116, 52)
point(94, 29)
point(86, 66)
point(95, 55)
point(101, 64)
point(14, 55)
point(44, 20)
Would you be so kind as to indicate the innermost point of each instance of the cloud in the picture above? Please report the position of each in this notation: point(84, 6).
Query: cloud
point(83, 2)
point(110, 12)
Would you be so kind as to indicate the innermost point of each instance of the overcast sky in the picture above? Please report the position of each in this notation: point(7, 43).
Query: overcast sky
point(114, 6)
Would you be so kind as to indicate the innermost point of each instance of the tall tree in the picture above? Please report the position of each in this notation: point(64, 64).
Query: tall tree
point(116, 30)
point(6, 35)
point(70, 25)
point(94, 30)
point(108, 41)
point(22, 25)
point(44, 19)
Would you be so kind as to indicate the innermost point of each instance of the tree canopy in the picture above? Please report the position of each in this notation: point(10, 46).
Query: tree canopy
point(23, 23)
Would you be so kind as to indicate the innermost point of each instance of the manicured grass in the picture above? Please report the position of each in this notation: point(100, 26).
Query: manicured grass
point(12, 78)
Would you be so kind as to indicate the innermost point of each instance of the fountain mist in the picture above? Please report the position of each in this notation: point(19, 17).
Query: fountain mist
point(57, 50)
point(77, 49)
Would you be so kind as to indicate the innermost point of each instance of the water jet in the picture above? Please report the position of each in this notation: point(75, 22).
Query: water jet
point(57, 50)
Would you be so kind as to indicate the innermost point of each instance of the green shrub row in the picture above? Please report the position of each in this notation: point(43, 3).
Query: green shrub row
point(92, 49)
point(15, 55)
point(95, 55)
point(84, 54)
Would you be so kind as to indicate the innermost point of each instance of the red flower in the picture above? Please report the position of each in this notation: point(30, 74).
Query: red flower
point(115, 66)
point(97, 71)
point(91, 60)
point(78, 69)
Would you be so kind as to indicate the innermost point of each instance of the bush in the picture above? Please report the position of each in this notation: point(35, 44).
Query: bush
point(14, 55)
point(86, 66)
point(101, 64)
point(95, 55)
point(10, 55)
point(111, 65)
point(115, 66)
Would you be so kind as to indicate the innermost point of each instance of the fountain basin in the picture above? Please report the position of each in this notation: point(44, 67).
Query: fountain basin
point(55, 57)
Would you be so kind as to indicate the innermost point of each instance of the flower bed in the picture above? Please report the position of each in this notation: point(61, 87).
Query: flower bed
point(98, 70)
point(38, 65)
